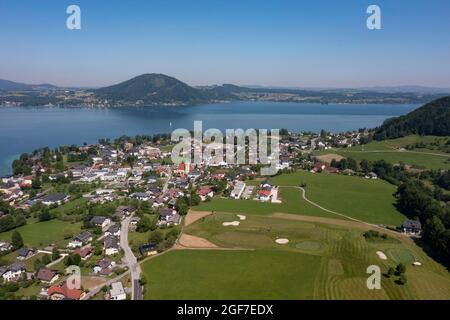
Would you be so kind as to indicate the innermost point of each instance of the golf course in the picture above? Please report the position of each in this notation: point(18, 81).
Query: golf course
point(308, 246)
point(324, 259)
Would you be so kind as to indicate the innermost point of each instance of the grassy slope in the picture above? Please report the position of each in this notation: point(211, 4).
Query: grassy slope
point(388, 150)
point(40, 234)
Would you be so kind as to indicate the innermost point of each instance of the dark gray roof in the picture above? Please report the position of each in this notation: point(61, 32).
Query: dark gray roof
point(123, 209)
point(23, 252)
point(18, 266)
point(412, 224)
point(84, 236)
point(104, 263)
point(98, 220)
point(147, 247)
point(165, 212)
point(114, 228)
point(111, 242)
point(53, 197)
point(139, 195)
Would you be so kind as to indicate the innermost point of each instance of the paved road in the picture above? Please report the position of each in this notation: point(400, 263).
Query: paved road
point(166, 184)
point(131, 260)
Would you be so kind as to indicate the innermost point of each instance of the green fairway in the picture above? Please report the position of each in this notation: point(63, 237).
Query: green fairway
point(41, 234)
point(393, 152)
point(323, 260)
point(188, 274)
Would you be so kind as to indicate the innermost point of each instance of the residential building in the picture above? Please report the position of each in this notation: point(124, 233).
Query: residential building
point(63, 292)
point(52, 199)
point(111, 245)
point(117, 291)
point(80, 240)
point(238, 189)
point(411, 227)
point(46, 275)
point(100, 221)
point(148, 249)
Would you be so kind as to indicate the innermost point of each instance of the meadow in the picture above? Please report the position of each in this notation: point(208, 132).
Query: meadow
point(41, 234)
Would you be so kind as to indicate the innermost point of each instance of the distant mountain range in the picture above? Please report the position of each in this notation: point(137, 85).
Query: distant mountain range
point(414, 89)
point(159, 89)
point(17, 86)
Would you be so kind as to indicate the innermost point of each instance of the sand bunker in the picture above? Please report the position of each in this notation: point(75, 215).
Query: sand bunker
point(233, 223)
point(193, 216)
point(241, 217)
point(282, 241)
point(418, 264)
point(188, 241)
point(381, 255)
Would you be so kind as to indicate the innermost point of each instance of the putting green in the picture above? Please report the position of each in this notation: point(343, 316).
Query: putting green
point(309, 245)
point(401, 255)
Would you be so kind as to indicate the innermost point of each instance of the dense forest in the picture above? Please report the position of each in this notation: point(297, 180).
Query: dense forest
point(419, 202)
point(431, 119)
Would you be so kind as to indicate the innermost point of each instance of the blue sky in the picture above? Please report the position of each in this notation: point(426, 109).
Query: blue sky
point(320, 43)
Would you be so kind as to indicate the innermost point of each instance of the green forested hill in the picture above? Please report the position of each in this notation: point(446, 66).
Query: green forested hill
point(431, 119)
point(151, 88)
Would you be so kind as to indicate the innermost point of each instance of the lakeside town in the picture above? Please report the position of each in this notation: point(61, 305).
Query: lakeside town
point(123, 201)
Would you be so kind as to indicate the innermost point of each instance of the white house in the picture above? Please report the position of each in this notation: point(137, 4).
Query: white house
point(113, 230)
point(12, 272)
point(142, 196)
point(111, 245)
point(117, 291)
point(80, 240)
point(238, 189)
point(104, 267)
point(5, 246)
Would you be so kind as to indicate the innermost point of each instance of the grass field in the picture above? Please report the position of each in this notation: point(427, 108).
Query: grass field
point(187, 274)
point(321, 261)
point(41, 234)
point(368, 200)
point(66, 207)
point(389, 150)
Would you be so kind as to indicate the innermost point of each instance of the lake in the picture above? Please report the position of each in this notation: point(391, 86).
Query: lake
point(28, 128)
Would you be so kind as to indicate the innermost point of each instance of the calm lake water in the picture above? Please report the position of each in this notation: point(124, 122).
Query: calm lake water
point(26, 129)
